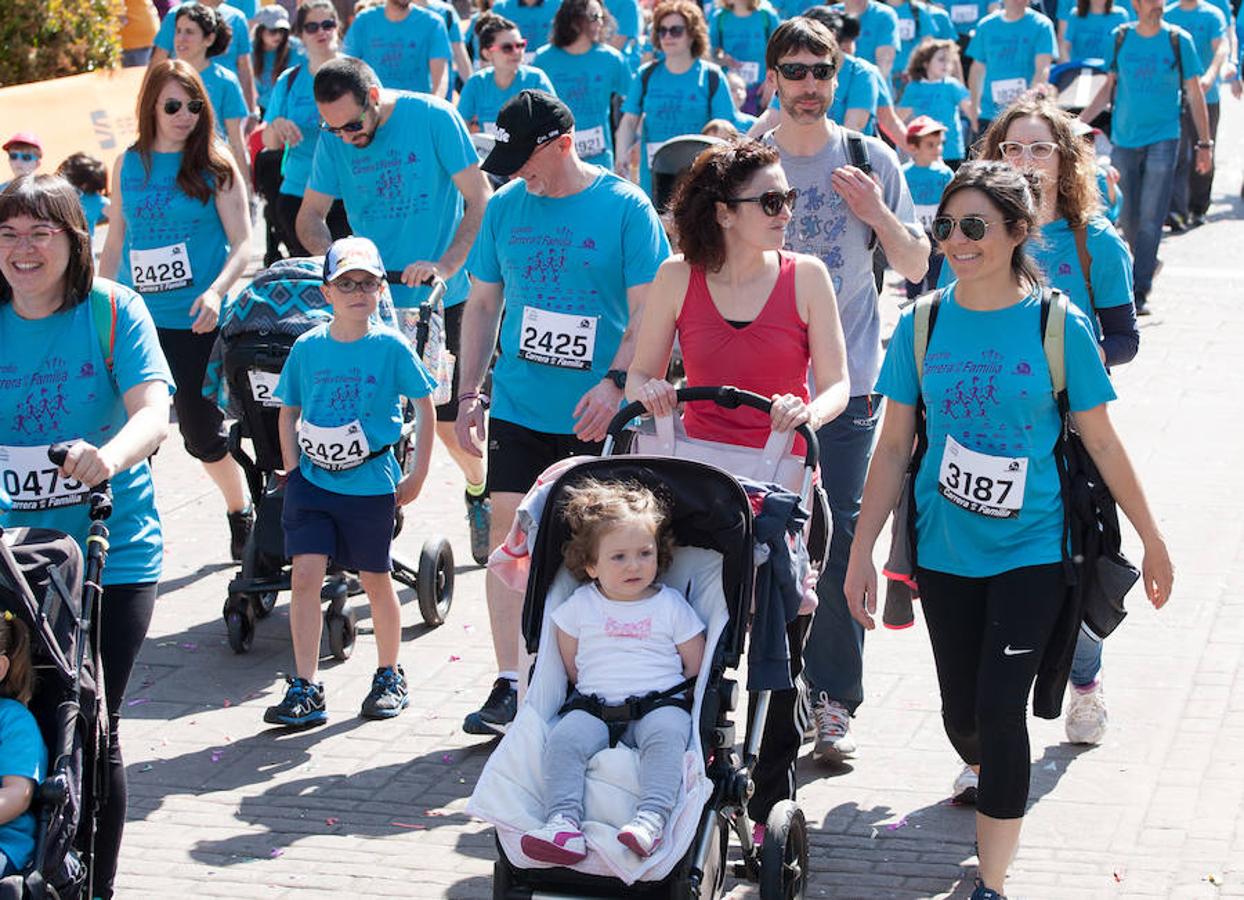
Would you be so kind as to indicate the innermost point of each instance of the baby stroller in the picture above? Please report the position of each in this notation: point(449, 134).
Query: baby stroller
point(715, 567)
point(1077, 83)
point(41, 582)
point(256, 334)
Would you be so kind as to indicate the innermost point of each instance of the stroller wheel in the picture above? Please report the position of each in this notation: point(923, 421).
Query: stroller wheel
point(784, 854)
point(241, 631)
point(435, 587)
point(265, 602)
point(341, 633)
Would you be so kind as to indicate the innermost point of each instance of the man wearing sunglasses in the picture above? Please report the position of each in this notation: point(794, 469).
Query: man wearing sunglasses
point(406, 45)
point(567, 251)
point(840, 216)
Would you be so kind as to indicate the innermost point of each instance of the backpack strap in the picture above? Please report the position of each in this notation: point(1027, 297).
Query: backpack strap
point(1053, 337)
point(923, 319)
point(1120, 35)
point(646, 71)
point(714, 82)
point(857, 152)
point(1179, 66)
point(104, 317)
point(1086, 262)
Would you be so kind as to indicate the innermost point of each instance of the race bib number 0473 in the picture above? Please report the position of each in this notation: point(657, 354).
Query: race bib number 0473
point(33, 483)
point(990, 486)
point(562, 340)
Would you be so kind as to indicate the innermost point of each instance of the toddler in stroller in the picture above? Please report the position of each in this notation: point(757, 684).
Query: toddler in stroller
point(23, 756)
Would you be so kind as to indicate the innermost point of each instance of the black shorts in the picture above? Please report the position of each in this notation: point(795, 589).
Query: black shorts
point(517, 455)
point(448, 411)
point(354, 532)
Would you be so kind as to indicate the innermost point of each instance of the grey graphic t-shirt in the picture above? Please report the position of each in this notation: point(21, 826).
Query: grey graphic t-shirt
point(825, 227)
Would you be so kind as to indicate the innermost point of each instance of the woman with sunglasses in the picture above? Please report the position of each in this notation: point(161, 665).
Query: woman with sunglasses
point(677, 94)
point(179, 233)
point(64, 383)
point(293, 122)
point(274, 51)
point(989, 535)
point(586, 74)
point(745, 312)
point(485, 92)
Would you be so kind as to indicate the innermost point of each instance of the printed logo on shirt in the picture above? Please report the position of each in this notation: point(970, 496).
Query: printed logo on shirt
point(640, 630)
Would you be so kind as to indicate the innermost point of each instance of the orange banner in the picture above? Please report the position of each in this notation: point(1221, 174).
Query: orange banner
point(91, 113)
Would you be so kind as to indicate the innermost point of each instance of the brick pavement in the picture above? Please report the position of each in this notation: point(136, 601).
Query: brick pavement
point(221, 806)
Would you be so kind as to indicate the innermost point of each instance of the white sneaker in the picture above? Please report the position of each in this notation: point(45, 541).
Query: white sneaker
point(643, 833)
point(558, 841)
point(833, 725)
point(1086, 715)
point(964, 791)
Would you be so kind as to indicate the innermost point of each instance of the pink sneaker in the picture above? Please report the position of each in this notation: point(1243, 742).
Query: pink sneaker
point(558, 841)
point(642, 834)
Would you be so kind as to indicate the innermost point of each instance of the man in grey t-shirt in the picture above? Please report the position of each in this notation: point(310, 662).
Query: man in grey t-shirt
point(840, 216)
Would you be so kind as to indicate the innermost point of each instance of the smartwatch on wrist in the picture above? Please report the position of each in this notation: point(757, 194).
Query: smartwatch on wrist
point(478, 396)
point(618, 377)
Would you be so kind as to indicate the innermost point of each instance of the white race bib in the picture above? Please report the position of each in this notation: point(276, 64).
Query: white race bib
point(590, 142)
point(990, 486)
point(33, 483)
point(906, 29)
point(529, 57)
point(749, 72)
point(651, 149)
point(563, 340)
point(335, 449)
point(1005, 90)
point(925, 213)
point(161, 269)
point(963, 12)
point(489, 128)
point(263, 386)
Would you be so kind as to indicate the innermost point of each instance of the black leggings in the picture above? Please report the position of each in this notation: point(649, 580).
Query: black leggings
point(201, 421)
point(124, 619)
point(774, 772)
point(988, 637)
point(287, 206)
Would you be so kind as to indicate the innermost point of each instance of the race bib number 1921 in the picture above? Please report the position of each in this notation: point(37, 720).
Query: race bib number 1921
point(590, 142)
point(33, 483)
point(161, 269)
point(990, 486)
point(563, 340)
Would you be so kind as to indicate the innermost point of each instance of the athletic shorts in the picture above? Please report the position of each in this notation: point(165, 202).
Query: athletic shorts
point(517, 455)
point(354, 532)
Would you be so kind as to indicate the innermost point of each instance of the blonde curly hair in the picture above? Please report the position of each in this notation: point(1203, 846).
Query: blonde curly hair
point(593, 507)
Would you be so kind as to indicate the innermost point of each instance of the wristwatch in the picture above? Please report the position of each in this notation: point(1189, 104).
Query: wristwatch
point(618, 377)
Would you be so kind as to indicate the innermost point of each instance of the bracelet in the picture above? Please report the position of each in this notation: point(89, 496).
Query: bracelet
point(1205, 145)
point(480, 396)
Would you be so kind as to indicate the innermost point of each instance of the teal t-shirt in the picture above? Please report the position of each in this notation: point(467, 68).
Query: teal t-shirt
point(566, 264)
point(399, 190)
point(293, 98)
point(22, 753)
point(1206, 25)
point(265, 82)
point(1092, 36)
point(939, 100)
point(1056, 254)
point(744, 38)
point(449, 15)
point(94, 207)
point(926, 183)
point(1009, 51)
point(965, 15)
point(1066, 9)
point(914, 25)
point(535, 23)
point(400, 52)
point(481, 98)
point(674, 105)
point(1147, 93)
point(878, 28)
point(587, 82)
point(56, 387)
point(337, 384)
point(225, 93)
point(175, 245)
point(239, 44)
point(987, 386)
point(1111, 210)
point(943, 27)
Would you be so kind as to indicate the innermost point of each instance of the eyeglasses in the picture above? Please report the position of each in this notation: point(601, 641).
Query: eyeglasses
point(22, 156)
point(674, 31)
point(349, 286)
point(972, 227)
point(349, 128)
point(516, 47)
point(173, 107)
point(596, 17)
point(313, 27)
point(799, 71)
point(1035, 150)
point(39, 237)
point(771, 202)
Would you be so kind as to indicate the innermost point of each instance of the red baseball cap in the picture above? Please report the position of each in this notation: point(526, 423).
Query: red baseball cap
point(24, 137)
point(922, 125)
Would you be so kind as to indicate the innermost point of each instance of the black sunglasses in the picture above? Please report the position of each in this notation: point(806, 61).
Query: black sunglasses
point(349, 128)
point(799, 71)
point(674, 31)
point(173, 107)
point(313, 27)
point(973, 227)
point(771, 202)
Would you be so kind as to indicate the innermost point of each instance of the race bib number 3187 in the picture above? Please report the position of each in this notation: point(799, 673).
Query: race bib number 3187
point(990, 486)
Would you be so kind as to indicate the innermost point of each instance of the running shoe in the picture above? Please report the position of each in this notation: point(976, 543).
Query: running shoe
point(964, 791)
point(1086, 715)
point(984, 893)
point(479, 520)
point(643, 833)
point(833, 726)
point(240, 525)
point(302, 707)
point(558, 841)
point(497, 712)
point(388, 696)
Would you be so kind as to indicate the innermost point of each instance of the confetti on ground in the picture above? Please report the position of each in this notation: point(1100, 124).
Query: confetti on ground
point(276, 851)
point(331, 820)
point(1213, 879)
point(413, 826)
point(1118, 876)
point(447, 757)
point(455, 659)
point(227, 703)
point(874, 834)
point(217, 754)
point(895, 826)
point(1051, 767)
point(189, 645)
point(138, 701)
point(147, 767)
point(468, 628)
point(435, 813)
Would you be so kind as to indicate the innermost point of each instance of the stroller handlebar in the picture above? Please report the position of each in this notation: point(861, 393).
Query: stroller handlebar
point(438, 285)
point(101, 494)
point(727, 397)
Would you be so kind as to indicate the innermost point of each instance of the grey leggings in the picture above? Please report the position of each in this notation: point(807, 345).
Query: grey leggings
point(661, 738)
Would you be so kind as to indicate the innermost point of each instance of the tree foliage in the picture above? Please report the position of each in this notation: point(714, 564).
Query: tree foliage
point(42, 39)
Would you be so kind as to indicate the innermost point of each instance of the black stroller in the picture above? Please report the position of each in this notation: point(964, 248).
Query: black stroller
point(256, 334)
point(41, 582)
point(714, 566)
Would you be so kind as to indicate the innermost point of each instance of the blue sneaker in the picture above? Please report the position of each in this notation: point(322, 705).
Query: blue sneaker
point(984, 893)
point(388, 696)
point(302, 707)
point(479, 518)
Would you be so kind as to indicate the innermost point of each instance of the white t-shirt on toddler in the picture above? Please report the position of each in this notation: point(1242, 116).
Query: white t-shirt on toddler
point(627, 648)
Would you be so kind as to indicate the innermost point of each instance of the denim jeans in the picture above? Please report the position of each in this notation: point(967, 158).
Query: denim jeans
point(834, 653)
point(1086, 663)
point(139, 56)
point(1146, 176)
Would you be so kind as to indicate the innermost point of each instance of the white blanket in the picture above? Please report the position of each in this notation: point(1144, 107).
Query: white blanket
point(510, 789)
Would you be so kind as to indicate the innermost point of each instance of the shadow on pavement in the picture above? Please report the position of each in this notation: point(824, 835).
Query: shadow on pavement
point(170, 585)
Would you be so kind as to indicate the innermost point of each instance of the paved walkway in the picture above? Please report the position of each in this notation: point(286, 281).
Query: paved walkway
point(221, 806)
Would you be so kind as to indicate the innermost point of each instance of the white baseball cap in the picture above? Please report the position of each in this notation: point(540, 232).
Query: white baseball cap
point(352, 254)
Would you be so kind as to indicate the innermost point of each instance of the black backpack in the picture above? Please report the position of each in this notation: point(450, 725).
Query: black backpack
point(1121, 34)
point(648, 69)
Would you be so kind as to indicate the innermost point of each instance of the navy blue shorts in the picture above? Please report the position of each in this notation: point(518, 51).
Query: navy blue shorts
point(354, 532)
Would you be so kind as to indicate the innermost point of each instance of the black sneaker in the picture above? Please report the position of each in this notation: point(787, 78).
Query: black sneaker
point(984, 893)
point(388, 696)
point(302, 707)
point(1176, 223)
point(497, 712)
point(479, 520)
point(240, 525)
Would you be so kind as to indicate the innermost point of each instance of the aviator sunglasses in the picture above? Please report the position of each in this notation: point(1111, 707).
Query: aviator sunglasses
point(799, 71)
point(771, 202)
point(972, 227)
point(173, 107)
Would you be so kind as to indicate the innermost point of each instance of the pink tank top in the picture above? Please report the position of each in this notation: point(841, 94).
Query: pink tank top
point(768, 356)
